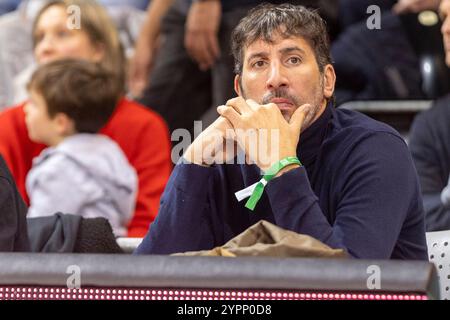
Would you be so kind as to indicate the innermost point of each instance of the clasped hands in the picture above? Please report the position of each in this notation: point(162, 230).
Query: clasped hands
point(258, 131)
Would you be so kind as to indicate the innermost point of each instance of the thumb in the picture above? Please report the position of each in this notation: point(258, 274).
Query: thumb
point(298, 117)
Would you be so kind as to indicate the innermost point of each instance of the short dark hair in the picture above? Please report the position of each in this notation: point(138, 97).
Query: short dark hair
point(85, 91)
point(266, 20)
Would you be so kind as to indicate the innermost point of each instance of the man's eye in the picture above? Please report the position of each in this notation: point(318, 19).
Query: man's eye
point(294, 60)
point(259, 64)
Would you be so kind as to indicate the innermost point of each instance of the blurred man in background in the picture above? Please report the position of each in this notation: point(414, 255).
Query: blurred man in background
point(430, 146)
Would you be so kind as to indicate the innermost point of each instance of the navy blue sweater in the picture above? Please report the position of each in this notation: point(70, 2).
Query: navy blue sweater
point(358, 190)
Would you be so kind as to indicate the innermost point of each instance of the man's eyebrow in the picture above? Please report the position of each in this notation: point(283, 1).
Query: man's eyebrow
point(292, 49)
point(263, 54)
point(260, 54)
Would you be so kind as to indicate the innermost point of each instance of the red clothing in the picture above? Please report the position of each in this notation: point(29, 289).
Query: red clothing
point(140, 132)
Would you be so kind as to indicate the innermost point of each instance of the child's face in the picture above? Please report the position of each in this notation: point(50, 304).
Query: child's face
point(41, 127)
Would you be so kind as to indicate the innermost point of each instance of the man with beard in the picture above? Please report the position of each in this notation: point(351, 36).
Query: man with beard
point(335, 175)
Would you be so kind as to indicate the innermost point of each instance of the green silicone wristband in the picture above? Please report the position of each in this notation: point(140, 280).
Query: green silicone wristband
point(270, 174)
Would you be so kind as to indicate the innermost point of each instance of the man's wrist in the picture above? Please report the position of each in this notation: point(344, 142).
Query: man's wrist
point(190, 161)
point(272, 160)
point(286, 169)
point(283, 165)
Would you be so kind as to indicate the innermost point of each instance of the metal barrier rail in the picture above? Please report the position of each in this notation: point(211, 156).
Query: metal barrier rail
point(388, 106)
point(165, 276)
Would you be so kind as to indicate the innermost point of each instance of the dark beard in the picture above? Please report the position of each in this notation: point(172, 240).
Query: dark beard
point(281, 93)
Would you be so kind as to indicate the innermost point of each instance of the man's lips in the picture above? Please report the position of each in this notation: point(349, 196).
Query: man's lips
point(282, 103)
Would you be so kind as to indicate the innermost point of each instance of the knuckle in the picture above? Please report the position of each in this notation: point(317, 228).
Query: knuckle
point(270, 106)
point(224, 109)
point(231, 101)
point(259, 108)
point(239, 100)
point(243, 121)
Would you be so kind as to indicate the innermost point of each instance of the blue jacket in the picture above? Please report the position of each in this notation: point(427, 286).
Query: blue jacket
point(358, 190)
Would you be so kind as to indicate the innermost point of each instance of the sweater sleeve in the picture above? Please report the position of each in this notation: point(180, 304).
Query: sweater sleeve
point(182, 223)
point(378, 190)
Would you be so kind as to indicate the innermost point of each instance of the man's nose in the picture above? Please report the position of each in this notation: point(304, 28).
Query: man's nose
point(445, 28)
point(277, 77)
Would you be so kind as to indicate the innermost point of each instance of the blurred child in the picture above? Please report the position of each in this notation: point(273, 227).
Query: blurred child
point(81, 172)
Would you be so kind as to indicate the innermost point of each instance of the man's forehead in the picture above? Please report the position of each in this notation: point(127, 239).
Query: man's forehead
point(276, 43)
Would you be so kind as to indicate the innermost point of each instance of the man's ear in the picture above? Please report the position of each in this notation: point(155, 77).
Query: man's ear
point(237, 86)
point(329, 80)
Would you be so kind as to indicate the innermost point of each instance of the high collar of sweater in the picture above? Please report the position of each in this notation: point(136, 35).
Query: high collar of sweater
point(311, 139)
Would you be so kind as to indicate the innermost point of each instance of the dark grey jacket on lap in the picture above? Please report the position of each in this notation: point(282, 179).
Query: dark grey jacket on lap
point(69, 233)
point(13, 223)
